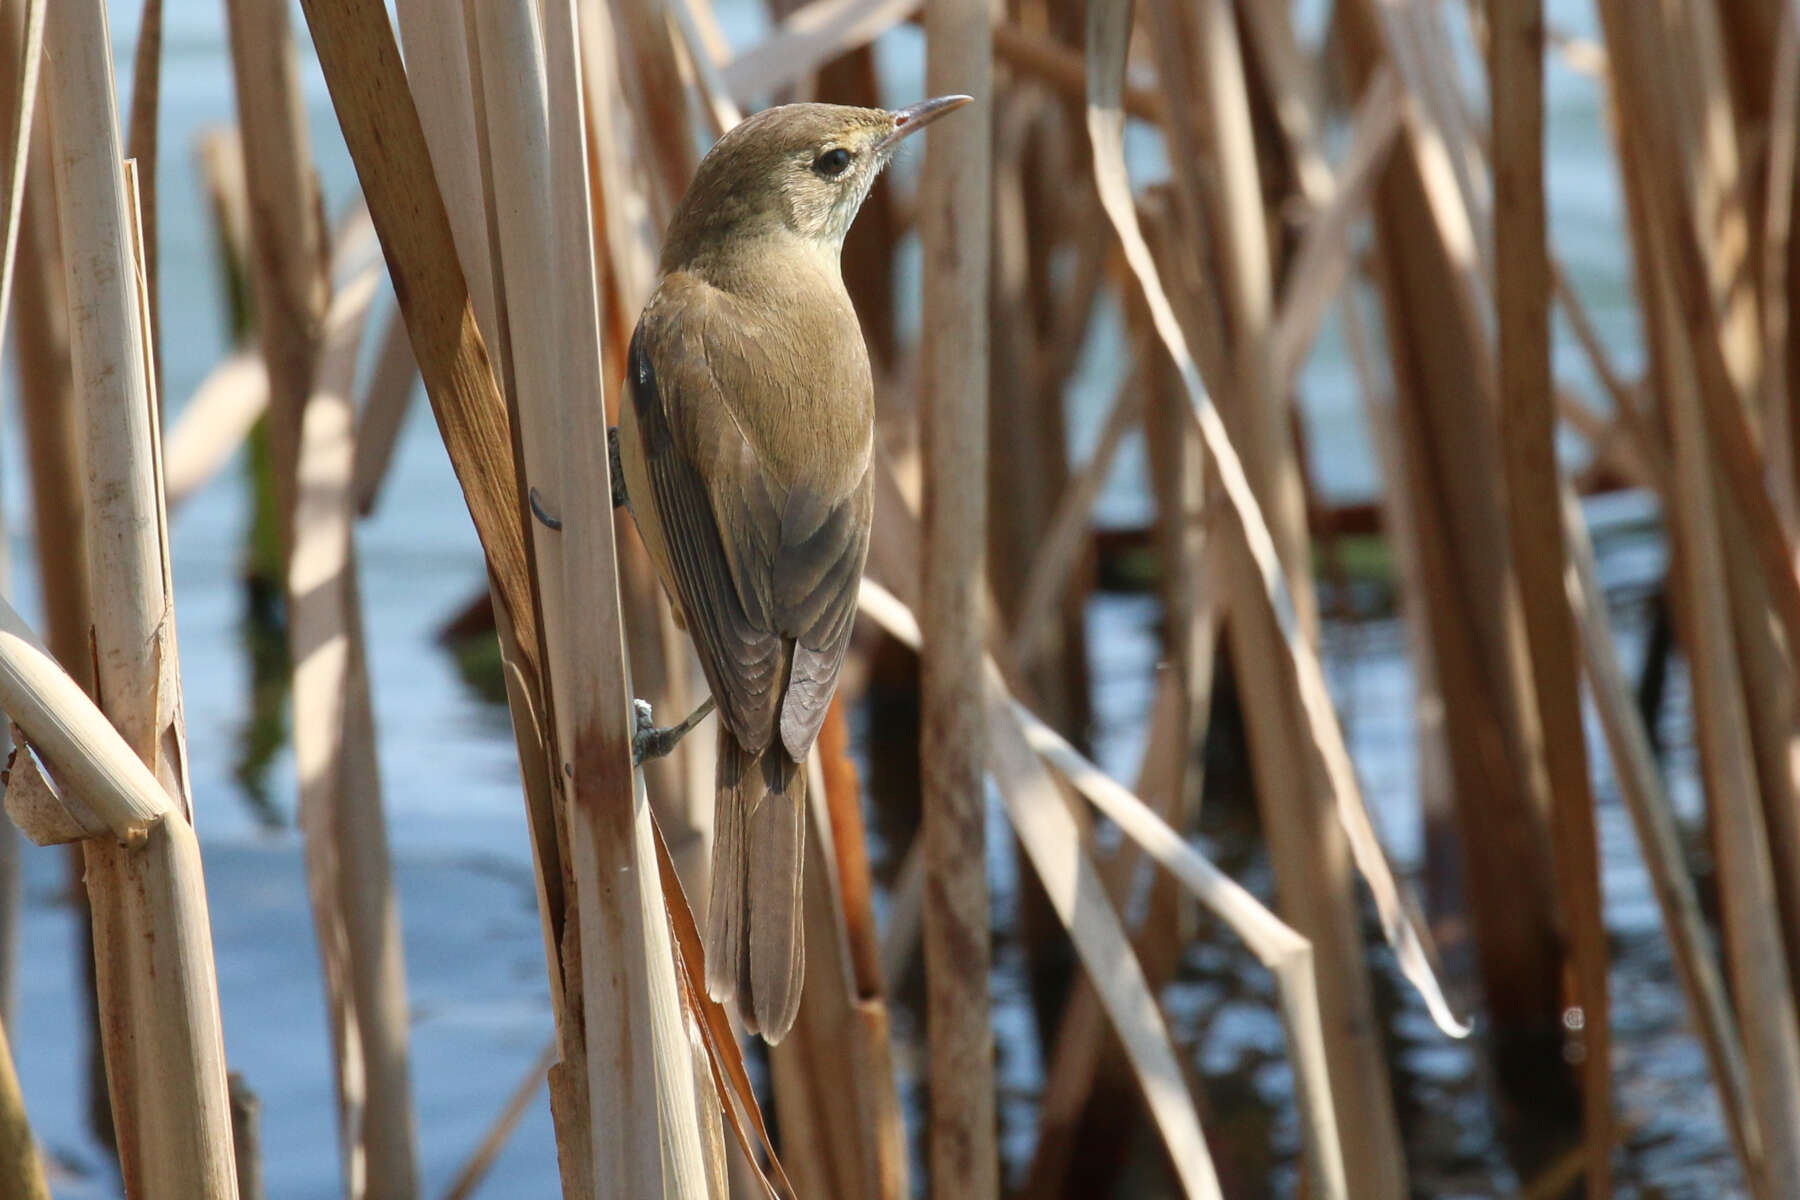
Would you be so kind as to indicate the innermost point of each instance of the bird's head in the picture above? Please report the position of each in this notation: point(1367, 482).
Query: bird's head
point(800, 169)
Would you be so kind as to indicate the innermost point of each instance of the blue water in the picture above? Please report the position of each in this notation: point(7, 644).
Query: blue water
point(462, 864)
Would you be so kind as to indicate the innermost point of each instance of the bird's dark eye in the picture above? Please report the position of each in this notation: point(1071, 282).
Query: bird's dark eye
point(832, 163)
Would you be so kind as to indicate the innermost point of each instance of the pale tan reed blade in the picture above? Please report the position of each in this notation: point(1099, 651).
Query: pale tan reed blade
point(348, 873)
point(15, 151)
point(213, 424)
point(1053, 842)
point(1659, 837)
point(1107, 29)
point(387, 399)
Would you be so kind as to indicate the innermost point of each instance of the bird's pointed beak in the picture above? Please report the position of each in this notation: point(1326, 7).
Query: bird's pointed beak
point(914, 117)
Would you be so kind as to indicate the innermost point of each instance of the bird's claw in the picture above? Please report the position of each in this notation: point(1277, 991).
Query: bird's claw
point(650, 741)
point(537, 510)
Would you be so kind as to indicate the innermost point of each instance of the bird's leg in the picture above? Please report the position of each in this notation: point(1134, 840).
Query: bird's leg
point(650, 741)
point(616, 468)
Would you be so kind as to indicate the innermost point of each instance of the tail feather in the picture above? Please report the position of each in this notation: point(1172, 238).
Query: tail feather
point(754, 939)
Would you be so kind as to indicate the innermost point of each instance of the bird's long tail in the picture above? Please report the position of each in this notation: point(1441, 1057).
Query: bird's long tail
point(754, 946)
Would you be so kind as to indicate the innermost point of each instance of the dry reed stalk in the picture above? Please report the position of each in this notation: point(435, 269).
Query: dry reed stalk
point(1312, 865)
point(1057, 550)
point(383, 130)
point(21, 1174)
point(700, 39)
point(1528, 462)
point(437, 69)
point(955, 196)
point(1754, 950)
point(1030, 52)
point(656, 100)
point(214, 423)
point(1047, 828)
point(611, 833)
point(387, 399)
point(834, 1084)
point(348, 874)
point(52, 436)
point(1779, 426)
point(1073, 1061)
point(810, 36)
point(1690, 358)
point(1653, 818)
point(286, 227)
point(1107, 36)
point(140, 144)
point(620, 1129)
point(21, 44)
point(1322, 264)
point(665, 669)
point(246, 1138)
point(1449, 473)
point(834, 1073)
point(23, 47)
point(164, 1048)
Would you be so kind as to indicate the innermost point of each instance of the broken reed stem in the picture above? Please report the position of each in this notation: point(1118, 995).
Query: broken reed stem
point(1527, 437)
point(954, 216)
point(152, 942)
point(246, 1138)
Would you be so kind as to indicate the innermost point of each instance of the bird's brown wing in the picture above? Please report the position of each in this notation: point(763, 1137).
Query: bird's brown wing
point(716, 563)
point(817, 574)
point(762, 569)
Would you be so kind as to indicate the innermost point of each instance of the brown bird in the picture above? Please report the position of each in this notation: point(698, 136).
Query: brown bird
point(746, 451)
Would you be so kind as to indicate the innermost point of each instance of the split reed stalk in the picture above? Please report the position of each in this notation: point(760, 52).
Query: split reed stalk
point(954, 216)
point(152, 944)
